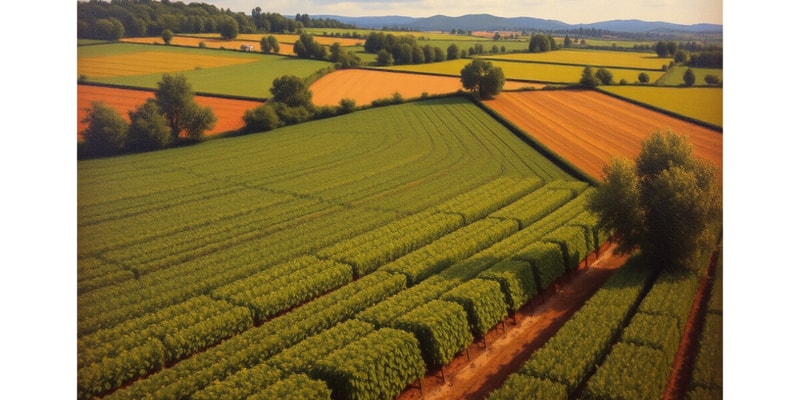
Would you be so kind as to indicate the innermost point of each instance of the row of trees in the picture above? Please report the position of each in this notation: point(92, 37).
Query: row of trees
point(592, 78)
point(135, 18)
point(171, 117)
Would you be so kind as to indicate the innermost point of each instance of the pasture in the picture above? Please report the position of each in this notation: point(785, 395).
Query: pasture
point(674, 77)
point(232, 73)
point(588, 128)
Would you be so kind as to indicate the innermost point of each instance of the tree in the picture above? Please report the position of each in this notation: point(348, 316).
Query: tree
point(643, 77)
point(148, 129)
point(712, 79)
point(229, 28)
point(260, 119)
point(688, 77)
point(269, 44)
point(681, 56)
point(672, 47)
point(291, 90)
point(483, 77)
point(106, 131)
point(385, 58)
point(667, 203)
point(661, 49)
point(539, 43)
point(567, 41)
point(175, 98)
point(167, 36)
point(588, 78)
point(604, 76)
point(453, 52)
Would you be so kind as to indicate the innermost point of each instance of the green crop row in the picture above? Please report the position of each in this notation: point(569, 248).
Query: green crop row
point(484, 302)
point(672, 294)
point(441, 328)
point(449, 249)
point(377, 366)
point(293, 360)
point(615, 378)
point(298, 386)
point(519, 386)
point(535, 206)
point(516, 280)
point(254, 346)
point(479, 203)
point(569, 356)
point(278, 289)
point(547, 262)
point(707, 370)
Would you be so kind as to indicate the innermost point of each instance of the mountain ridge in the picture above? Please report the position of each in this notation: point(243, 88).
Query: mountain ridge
point(488, 22)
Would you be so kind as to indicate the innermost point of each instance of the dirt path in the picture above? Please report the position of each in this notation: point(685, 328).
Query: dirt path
point(483, 368)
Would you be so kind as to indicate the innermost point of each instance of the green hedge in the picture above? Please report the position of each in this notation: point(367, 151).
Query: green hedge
point(441, 328)
point(547, 262)
point(295, 387)
point(630, 372)
point(573, 243)
point(483, 301)
point(378, 366)
point(518, 386)
point(516, 280)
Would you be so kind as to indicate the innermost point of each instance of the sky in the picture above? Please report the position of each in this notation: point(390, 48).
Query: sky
point(569, 11)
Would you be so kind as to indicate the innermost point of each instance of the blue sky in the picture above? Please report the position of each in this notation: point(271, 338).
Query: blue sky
point(569, 11)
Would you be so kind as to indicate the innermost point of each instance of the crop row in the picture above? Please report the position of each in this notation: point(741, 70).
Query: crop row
point(568, 357)
point(254, 346)
point(706, 378)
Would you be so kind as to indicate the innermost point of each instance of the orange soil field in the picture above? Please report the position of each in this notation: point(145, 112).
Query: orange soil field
point(229, 112)
point(364, 86)
point(587, 128)
point(211, 43)
point(150, 62)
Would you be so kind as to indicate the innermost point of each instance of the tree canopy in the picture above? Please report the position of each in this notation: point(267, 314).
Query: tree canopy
point(483, 77)
point(106, 131)
point(175, 98)
point(667, 203)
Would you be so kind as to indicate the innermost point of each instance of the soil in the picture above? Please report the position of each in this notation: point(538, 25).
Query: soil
point(484, 366)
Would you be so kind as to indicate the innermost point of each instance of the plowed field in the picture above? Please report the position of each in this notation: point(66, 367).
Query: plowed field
point(364, 86)
point(229, 112)
point(587, 128)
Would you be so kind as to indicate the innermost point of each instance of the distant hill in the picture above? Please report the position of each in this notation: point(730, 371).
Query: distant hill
point(486, 22)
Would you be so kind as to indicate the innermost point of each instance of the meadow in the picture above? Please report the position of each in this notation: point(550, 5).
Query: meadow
point(674, 77)
point(595, 58)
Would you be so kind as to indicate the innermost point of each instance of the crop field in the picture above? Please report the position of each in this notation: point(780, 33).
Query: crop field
point(587, 128)
point(213, 43)
point(364, 86)
point(229, 112)
point(674, 77)
point(701, 103)
point(231, 73)
point(182, 248)
point(538, 72)
point(595, 58)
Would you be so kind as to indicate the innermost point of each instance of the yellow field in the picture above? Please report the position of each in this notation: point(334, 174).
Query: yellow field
point(150, 62)
point(592, 58)
point(704, 104)
point(283, 39)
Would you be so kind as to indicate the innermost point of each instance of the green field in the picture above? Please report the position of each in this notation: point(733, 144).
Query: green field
point(703, 104)
point(540, 72)
point(174, 244)
point(251, 79)
point(674, 77)
point(596, 58)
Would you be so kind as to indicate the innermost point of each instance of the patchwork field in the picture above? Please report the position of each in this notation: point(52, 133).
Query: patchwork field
point(150, 62)
point(229, 112)
point(364, 86)
point(587, 128)
point(674, 77)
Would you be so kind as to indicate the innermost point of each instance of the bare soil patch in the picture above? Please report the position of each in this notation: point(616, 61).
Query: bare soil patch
point(485, 365)
point(229, 112)
point(587, 128)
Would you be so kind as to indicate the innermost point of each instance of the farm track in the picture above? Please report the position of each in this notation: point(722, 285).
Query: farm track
point(509, 346)
point(588, 128)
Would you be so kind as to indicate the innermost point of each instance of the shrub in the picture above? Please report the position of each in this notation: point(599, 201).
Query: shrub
point(712, 79)
point(260, 119)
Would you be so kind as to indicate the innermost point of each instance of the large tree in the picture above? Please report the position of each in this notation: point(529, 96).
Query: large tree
point(481, 76)
point(228, 28)
point(291, 90)
point(175, 98)
point(106, 131)
point(666, 203)
point(148, 129)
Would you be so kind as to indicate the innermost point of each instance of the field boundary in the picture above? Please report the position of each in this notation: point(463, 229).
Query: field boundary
point(561, 162)
point(204, 94)
point(571, 64)
point(663, 111)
